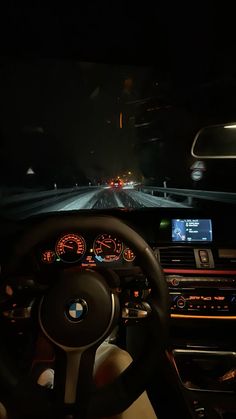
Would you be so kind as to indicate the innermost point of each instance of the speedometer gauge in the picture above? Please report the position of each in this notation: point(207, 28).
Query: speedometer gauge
point(107, 248)
point(70, 248)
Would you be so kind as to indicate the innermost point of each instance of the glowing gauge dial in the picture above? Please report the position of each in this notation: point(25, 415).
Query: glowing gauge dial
point(48, 256)
point(107, 248)
point(128, 255)
point(70, 248)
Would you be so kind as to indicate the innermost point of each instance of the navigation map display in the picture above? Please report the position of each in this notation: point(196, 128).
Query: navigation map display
point(191, 230)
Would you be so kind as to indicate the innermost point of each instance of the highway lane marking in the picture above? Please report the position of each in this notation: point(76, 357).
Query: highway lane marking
point(118, 200)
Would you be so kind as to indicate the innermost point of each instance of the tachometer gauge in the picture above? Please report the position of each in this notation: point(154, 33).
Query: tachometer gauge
point(107, 248)
point(128, 255)
point(70, 248)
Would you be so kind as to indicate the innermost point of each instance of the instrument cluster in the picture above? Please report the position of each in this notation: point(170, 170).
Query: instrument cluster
point(73, 248)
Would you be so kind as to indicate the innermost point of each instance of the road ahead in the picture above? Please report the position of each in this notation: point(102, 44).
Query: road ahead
point(89, 198)
point(103, 198)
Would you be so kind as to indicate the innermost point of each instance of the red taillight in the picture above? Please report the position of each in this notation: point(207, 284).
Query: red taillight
point(112, 183)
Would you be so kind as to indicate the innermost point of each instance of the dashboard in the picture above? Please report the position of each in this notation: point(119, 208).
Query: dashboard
point(199, 269)
point(105, 249)
point(196, 253)
point(73, 248)
point(196, 250)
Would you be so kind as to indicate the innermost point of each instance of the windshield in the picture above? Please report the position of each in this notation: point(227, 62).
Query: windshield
point(77, 135)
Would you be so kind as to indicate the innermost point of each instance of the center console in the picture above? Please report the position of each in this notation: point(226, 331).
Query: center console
point(202, 296)
point(201, 278)
point(204, 311)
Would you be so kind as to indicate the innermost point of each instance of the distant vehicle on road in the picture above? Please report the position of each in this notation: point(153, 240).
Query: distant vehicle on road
point(117, 183)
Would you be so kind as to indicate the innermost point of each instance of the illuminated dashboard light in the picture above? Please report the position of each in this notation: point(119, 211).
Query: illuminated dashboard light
point(128, 255)
point(70, 248)
point(48, 256)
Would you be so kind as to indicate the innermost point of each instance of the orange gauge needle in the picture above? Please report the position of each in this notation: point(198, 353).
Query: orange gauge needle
point(68, 247)
point(104, 244)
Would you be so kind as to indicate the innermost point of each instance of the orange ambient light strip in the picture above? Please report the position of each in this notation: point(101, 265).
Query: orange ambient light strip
point(199, 271)
point(189, 316)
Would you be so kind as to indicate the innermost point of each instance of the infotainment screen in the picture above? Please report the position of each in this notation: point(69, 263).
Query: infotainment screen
point(191, 230)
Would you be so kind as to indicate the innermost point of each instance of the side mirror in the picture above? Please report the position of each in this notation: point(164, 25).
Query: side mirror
point(215, 142)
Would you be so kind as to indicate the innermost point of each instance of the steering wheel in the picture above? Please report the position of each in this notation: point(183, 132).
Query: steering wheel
point(76, 338)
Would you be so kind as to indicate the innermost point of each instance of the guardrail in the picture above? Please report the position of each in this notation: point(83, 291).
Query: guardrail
point(226, 197)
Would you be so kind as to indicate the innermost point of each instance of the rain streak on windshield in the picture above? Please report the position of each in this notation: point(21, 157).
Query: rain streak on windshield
point(78, 135)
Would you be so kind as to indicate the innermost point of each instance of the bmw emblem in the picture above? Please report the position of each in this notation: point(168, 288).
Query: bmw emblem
point(76, 310)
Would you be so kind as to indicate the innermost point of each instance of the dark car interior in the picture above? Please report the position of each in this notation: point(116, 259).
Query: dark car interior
point(171, 296)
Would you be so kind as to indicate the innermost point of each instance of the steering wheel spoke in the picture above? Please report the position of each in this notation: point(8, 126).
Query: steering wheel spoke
point(72, 376)
point(73, 382)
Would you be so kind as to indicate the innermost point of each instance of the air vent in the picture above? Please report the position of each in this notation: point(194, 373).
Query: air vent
point(176, 257)
point(225, 259)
